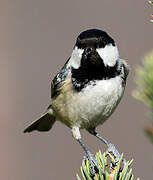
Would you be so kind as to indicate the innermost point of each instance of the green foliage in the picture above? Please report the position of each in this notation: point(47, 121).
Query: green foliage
point(112, 171)
point(144, 87)
point(151, 3)
point(149, 132)
point(144, 81)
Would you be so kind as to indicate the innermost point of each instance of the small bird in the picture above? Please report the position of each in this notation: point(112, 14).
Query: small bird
point(87, 89)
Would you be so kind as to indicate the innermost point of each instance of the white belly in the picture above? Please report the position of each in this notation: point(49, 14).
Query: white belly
point(93, 105)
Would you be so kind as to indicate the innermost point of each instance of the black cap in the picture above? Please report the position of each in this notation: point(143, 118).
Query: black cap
point(95, 38)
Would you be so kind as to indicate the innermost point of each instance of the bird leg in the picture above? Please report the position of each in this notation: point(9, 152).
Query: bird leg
point(111, 147)
point(92, 159)
point(93, 162)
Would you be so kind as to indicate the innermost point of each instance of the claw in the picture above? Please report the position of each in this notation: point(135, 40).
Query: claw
point(93, 163)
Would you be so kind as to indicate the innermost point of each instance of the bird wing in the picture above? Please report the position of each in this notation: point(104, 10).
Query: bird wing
point(59, 79)
point(124, 68)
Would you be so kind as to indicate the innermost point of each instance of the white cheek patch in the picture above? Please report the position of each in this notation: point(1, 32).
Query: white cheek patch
point(75, 58)
point(109, 54)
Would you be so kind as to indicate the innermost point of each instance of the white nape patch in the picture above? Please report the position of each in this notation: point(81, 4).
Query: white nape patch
point(75, 58)
point(109, 54)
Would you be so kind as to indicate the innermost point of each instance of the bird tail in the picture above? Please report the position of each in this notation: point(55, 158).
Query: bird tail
point(43, 123)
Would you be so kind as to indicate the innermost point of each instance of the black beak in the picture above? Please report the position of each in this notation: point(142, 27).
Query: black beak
point(87, 52)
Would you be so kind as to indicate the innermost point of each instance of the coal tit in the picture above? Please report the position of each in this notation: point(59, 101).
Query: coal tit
point(87, 89)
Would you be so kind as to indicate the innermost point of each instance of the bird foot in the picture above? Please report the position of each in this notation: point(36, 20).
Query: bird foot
point(94, 164)
point(112, 149)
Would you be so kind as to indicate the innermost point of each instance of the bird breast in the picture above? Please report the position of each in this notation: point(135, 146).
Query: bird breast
point(91, 106)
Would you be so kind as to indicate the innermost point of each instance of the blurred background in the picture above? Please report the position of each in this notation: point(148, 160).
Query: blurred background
point(36, 38)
